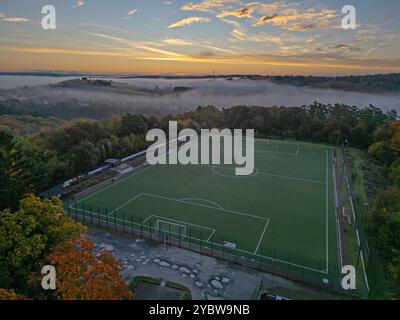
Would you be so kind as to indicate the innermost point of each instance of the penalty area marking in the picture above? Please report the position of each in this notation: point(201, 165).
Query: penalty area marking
point(218, 245)
point(213, 169)
point(190, 200)
point(262, 236)
point(181, 223)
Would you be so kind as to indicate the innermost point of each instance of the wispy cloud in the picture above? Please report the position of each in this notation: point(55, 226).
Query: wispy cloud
point(132, 12)
point(178, 42)
point(7, 18)
point(15, 19)
point(296, 20)
point(208, 5)
point(241, 13)
point(79, 3)
point(188, 21)
point(290, 16)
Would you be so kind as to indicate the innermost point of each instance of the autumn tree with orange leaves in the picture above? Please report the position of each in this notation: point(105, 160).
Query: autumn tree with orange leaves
point(84, 274)
point(9, 294)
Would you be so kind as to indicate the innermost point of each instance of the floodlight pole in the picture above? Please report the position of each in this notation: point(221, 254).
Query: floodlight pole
point(362, 233)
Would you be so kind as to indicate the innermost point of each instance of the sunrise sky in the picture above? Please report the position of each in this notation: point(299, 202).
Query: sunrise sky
point(199, 37)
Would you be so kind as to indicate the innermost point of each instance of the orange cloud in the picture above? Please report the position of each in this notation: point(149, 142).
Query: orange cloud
point(297, 21)
point(207, 5)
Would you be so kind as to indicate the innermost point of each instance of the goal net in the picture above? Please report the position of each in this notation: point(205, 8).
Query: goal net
point(170, 230)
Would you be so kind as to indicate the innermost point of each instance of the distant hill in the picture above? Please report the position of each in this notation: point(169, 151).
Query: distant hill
point(376, 83)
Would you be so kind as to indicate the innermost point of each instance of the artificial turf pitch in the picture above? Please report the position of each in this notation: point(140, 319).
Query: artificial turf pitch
point(282, 213)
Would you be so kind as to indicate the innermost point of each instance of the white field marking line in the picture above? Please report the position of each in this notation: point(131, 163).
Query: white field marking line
point(216, 244)
point(275, 152)
point(340, 244)
point(113, 184)
point(201, 199)
point(327, 209)
point(210, 237)
point(262, 236)
point(336, 214)
point(213, 170)
point(279, 153)
point(359, 243)
point(103, 215)
point(274, 259)
point(158, 221)
point(307, 146)
point(150, 166)
point(205, 206)
point(176, 221)
point(124, 204)
point(239, 250)
point(181, 223)
point(291, 178)
point(119, 181)
point(268, 174)
point(169, 223)
point(335, 186)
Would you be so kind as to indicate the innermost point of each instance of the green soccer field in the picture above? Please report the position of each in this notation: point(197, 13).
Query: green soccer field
point(283, 213)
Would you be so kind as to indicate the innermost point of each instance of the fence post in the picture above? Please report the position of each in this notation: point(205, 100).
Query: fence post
point(179, 232)
point(223, 248)
point(83, 210)
point(115, 220)
point(107, 219)
point(211, 245)
point(236, 255)
point(150, 228)
point(201, 239)
point(141, 227)
point(190, 239)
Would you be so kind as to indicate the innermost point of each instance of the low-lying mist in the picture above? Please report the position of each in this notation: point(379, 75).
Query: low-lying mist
point(218, 92)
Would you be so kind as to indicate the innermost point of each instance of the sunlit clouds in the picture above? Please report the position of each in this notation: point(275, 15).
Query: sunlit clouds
point(188, 22)
point(198, 37)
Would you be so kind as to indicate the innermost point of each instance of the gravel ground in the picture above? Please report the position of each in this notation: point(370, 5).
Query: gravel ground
point(206, 277)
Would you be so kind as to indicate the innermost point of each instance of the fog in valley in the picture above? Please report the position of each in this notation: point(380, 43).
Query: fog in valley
point(218, 92)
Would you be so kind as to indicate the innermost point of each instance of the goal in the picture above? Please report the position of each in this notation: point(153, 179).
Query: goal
point(170, 230)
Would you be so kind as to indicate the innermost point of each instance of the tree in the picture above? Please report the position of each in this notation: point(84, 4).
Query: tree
point(394, 272)
point(82, 274)
point(385, 221)
point(9, 294)
point(135, 124)
point(394, 173)
point(16, 179)
point(28, 235)
point(394, 142)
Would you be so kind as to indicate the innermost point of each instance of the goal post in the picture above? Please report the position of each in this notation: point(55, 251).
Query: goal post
point(171, 229)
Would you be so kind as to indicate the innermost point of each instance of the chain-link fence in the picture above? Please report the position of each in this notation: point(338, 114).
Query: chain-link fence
point(359, 215)
point(288, 265)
